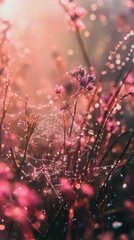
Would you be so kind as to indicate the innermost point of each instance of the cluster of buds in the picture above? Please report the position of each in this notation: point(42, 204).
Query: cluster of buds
point(86, 81)
point(59, 89)
point(70, 191)
point(75, 14)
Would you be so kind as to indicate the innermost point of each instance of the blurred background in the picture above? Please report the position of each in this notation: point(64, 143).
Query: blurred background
point(41, 49)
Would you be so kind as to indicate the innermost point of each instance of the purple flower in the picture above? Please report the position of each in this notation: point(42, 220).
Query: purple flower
point(87, 82)
point(90, 86)
point(78, 73)
point(84, 81)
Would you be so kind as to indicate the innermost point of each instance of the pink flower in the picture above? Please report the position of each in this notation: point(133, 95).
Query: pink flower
point(25, 197)
point(129, 205)
point(71, 6)
point(88, 190)
point(16, 213)
point(130, 4)
point(5, 190)
point(70, 143)
point(130, 82)
point(112, 126)
point(79, 25)
point(81, 12)
point(130, 78)
point(9, 140)
point(73, 25)
point(65, 185)
point(107, 236)
point(59, 89)
point(79, 120)
point(5, 171)
point(74, 16)
point(78, 73)
point(82, 142)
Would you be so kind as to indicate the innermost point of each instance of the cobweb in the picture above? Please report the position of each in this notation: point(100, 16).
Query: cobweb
point(50, 126)
point(45, 144)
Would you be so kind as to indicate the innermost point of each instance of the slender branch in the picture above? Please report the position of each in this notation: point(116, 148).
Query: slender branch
point(106, 183)
point(31, 128)
point(13, 157)
point(74, 114)
point(83, 50)
point(24, 158)
point(110, 148)
point(106, 115)
point(113, 183)
point(79, 40)
point(3, 114)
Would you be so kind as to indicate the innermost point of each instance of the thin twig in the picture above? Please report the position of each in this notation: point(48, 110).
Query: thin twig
point(14, 160)
point(74, 113)
point(107, 113)
point(83, 50)
point(106, 183)
point(80, 41)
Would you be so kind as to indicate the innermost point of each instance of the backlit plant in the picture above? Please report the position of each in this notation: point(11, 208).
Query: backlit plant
point(64, 163)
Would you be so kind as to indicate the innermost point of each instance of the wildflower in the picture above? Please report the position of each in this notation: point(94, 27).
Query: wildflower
point(25, 197)
point(59, 89)
point(79, 120)
point(80, 12)
point(112, 126)
point(130, 82)
point(129, 205)
point(87, 190)
point(70, 143)
point(75, 14)
point(78, 73)
point(107, 236)
point(90, 87)
point(65, 185)
point(9, 140)
point(77, 24)
point(106, 98)
point(66, 189)
point(85, 80)
point(130, 4)
point(82, 142)
point(5, 190)
point(5, 171)
point(16, 213)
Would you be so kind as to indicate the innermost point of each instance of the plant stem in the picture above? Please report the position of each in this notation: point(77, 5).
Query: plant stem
point(80, 41)
point(4, 112)
point(106, 115)
point(106, 183)
point(83, 50)
point(74, 113)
